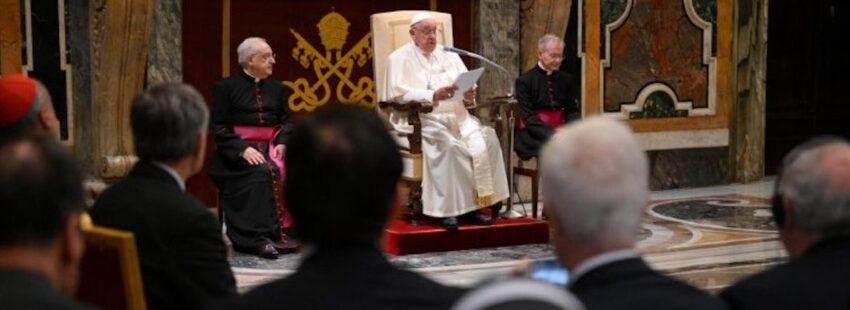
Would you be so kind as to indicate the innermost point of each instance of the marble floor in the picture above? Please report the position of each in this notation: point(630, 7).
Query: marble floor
point(707, 236)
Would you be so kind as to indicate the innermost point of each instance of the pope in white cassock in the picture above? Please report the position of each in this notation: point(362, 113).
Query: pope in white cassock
point(464, 169)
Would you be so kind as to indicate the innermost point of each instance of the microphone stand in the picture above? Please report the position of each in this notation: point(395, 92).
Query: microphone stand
point(509, 212)
point(488, 61)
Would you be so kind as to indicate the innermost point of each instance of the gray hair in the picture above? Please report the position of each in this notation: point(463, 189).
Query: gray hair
point(247, 48)
point(548, 38)
point(166, 120)
point(595, 179)
point(816, 180)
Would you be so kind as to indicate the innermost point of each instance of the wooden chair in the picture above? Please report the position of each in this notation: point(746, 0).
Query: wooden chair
point(390, 30)
point(110, 277)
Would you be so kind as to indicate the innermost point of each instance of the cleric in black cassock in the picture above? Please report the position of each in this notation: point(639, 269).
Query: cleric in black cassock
point(249, 121)
point(544, 97)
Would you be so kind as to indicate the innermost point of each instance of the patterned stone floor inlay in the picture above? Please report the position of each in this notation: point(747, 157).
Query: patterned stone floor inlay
point(709, 237)
point(734, 212)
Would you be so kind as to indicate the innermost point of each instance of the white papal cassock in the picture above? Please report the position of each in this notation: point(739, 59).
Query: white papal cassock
point(464, 169)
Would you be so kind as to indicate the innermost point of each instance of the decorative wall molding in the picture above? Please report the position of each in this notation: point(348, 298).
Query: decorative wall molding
point(117, 166)
point(120, 37)
point(707, 59)
point(708, 121)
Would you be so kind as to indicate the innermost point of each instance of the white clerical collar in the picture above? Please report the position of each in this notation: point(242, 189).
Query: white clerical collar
point(256, 79)
point(173, 174)
point(600, 260)
point(422, 52)
point(544, 68)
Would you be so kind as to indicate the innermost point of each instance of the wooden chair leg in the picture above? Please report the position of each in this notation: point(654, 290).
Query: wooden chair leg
point(414, 202)
point(534, 191)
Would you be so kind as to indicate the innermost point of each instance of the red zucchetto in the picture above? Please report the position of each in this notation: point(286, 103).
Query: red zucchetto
point(17, 99)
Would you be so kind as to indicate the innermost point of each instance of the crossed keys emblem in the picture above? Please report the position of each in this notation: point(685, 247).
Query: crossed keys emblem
point(333, 30)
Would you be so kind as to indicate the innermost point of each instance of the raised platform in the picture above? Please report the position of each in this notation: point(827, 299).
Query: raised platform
point(403, 238)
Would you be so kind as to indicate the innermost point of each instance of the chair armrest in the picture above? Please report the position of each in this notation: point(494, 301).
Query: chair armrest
point(418, 106)
point(413, 108)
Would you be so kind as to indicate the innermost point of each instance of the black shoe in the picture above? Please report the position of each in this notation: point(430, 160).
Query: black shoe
point(267, 250)
point(482, 219)
point(496, 208)
point(450, 223)
point(287, 246)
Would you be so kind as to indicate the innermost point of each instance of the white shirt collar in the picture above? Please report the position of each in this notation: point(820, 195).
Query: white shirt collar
point(256, 79)
point(544, 68)
point(173, 174)
point(600, 260)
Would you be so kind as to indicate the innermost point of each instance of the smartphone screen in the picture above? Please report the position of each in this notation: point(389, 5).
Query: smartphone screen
point(549, 271)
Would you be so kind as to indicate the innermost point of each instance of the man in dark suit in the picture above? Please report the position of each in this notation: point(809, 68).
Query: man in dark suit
point(595, 190)
point(41, 202)
point(343, 186)
point(181, 249)
point(811, 206)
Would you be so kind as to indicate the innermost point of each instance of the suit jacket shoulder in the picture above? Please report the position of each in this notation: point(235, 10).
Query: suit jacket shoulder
point(181, 250)
point(631, 284)
point(817, 280)
point(350, 280)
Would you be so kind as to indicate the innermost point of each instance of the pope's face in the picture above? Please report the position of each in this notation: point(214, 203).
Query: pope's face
point(424, 34)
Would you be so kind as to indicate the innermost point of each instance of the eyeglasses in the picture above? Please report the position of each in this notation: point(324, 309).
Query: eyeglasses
point(427, 32)
point(555, 56)
point(267, 56)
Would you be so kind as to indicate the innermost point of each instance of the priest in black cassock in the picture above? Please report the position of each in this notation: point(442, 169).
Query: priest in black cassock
point(249, 121)
point(545, 98)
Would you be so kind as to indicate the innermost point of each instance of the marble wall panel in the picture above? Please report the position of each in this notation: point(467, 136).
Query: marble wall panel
point(165, 62)
point(685, 168)
point(656, 43)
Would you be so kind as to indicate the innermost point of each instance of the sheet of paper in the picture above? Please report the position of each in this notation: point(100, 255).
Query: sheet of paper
point(465, 81)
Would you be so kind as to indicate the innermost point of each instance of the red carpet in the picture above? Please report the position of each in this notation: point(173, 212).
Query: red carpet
point(403, 238)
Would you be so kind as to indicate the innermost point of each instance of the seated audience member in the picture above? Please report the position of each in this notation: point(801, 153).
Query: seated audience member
point(182, 254)
point(595, 191)
point(811, 206)
point(518, 294)
point(544, 98)
point(343, 187)
point(41, 200)
point(25, 108)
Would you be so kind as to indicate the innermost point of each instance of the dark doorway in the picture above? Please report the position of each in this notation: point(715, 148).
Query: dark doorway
point(808, 71)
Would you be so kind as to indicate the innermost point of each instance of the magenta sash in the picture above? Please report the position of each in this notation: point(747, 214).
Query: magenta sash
point(263, 135)
point(552, 118)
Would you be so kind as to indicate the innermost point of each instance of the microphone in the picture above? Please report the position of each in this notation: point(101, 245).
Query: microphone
point(458, 51)
point(484, 59)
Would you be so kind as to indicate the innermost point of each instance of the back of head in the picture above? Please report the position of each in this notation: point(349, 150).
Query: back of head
point(596, 181)
point(19, 105)
point(518, 294)
point(40, 185)
point(815, 179)
point(166, 120)
point(342, 171)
